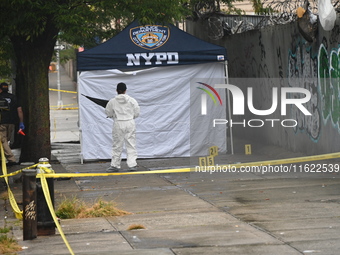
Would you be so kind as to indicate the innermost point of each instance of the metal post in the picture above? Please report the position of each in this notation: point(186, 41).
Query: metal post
point(29, 204)
point(229, 108)
point(60, 101)
point(45, 224)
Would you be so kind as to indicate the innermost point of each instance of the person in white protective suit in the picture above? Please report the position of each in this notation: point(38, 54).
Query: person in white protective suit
point(123, 109)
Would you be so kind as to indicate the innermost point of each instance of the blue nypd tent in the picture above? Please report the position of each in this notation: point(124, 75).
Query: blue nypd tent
point(147, 46)
point(166, 70)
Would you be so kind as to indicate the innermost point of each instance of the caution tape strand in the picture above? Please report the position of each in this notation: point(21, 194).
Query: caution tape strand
point(47, 195)
point(18, 171)
point(14, 204)
point(66, 91)
point(193, 169)
point(45, 172)
point(50, 173)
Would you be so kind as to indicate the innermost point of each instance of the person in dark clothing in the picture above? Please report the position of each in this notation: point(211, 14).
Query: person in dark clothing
point(10, 114)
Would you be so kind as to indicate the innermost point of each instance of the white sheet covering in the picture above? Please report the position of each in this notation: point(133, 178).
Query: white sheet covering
point(170, 111)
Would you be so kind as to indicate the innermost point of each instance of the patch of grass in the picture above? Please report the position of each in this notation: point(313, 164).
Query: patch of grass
point(4, 230)
point(102, 209)
point(8, 245)
point(71, 208)
point(136, 226)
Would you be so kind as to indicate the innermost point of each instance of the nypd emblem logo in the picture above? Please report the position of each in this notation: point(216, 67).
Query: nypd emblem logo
point(149, 37)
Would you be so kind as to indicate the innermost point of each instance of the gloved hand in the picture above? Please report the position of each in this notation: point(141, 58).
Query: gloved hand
point(21, 126)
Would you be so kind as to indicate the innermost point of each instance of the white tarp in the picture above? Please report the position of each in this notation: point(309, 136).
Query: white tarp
point(170, 104)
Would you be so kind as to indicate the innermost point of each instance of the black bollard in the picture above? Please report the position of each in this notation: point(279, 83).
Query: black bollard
point(29, 204)
point(45, 224)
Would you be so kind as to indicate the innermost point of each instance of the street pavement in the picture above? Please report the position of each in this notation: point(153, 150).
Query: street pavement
point(189, 213)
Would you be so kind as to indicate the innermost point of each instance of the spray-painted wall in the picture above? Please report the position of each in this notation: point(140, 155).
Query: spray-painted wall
point(279, 56)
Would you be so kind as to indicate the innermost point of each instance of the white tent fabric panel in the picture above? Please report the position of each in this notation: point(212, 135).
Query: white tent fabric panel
point(168, 110)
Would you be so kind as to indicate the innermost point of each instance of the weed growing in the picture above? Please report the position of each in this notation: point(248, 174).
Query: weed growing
point(70, 208)
point(8, 245)
point(73, 207)
point(4, 230)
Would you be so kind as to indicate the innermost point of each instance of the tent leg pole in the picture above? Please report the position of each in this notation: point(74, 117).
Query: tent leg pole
point(229, 109)
point(79, 124)
point(81, 150)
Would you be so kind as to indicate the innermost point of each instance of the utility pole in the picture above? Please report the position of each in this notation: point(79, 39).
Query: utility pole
point(58, 48)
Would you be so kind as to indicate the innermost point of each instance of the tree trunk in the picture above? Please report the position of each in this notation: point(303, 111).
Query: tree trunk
point(33, 57)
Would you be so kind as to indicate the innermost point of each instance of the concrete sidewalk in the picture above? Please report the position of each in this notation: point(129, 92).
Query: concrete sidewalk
point(193, 213)
point(64, 123)
point(199, 213)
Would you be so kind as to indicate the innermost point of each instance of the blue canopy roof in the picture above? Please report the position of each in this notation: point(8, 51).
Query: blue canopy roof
point(143, 46)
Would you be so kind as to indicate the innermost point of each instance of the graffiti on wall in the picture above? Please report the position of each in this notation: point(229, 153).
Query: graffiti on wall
point(321, 76)
point(329, 76)
point(302, 72)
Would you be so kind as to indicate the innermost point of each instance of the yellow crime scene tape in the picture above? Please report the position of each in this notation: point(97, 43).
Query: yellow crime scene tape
point(289, 160)
point(46, 172)
point(193, 169)
point(47, 195)
point(18, 213)
point(66, 91)
point(55, 107)
point(13, 202)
